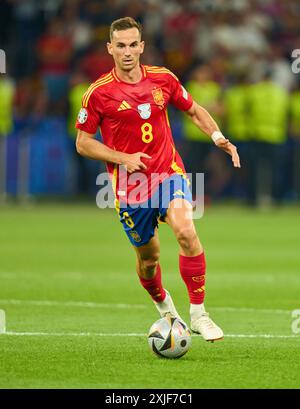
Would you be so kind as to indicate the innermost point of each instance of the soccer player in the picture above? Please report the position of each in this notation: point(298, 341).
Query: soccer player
point(129, 104)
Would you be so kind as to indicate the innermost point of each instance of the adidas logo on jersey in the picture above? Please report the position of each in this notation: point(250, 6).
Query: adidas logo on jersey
point(124, 105)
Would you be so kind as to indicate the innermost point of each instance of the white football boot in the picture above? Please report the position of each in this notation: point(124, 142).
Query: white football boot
point(203, 325)
point(167, 307)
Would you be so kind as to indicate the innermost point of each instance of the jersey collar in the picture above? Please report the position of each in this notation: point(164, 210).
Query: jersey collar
point(114, 73)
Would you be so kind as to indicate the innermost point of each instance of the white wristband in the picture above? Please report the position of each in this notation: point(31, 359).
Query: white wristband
point(217, 135)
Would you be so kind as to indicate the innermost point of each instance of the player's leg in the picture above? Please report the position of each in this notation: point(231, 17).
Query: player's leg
point(140, 226)
point(149, 272)
point(192, 266)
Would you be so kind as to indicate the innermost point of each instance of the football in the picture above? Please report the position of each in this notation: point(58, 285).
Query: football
point(169, 337)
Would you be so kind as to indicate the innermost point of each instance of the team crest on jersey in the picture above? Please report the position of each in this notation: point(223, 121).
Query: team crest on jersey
point(82, 116)
point(134, 234)
point(144, 110)
point(158, 97)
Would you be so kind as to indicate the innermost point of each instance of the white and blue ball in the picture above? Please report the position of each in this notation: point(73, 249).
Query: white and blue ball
point(169, 337)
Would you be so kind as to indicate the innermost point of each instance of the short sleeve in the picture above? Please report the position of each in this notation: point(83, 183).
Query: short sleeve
point(180, 98)
point(89, 116)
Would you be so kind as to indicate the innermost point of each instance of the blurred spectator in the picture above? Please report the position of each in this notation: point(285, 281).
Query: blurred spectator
point(31, 100)
point(236, 111)
point(151, 56)
point(153, 21)
point(7, 90)
point(179, 37)
point(79, 84)
point(206, 93)
point(268, 108)
point(96, 61)
point(236, 125)
point(281, 68)
point(101, 13)
point(295, 135)
point(236, 33)
point(78, 30)
point(7, 95)
point(6, 20)
point(54, 53)
point(28, 25)
point(134, 9)
point(86, 170)
point(24, 97)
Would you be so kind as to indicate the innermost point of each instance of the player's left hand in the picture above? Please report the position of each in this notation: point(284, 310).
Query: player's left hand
point(229, 148)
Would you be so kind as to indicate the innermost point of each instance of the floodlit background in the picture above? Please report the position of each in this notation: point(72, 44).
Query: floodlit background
point(235, 57)
point(76, 314)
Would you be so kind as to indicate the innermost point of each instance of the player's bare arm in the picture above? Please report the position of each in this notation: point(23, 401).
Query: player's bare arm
point(88, 146)
point(205, 122)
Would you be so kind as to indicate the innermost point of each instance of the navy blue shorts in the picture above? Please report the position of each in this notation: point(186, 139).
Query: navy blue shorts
point(139, 222)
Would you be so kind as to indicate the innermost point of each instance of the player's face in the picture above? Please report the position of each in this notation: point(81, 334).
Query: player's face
point(126, 47)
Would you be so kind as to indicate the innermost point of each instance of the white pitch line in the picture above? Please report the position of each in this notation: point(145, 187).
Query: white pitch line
point(73, 334)
point(95, 334)
point(260, 336)
point(83, 304)
point(242, 309)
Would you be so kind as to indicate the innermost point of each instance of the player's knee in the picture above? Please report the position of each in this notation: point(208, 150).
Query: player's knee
point(187, 237)
point(149, 266)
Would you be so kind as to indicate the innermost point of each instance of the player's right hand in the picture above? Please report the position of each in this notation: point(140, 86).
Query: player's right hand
point(133, 161)
point(229, 148)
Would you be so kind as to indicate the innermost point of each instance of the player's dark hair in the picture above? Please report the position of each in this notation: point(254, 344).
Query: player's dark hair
point(124, 24)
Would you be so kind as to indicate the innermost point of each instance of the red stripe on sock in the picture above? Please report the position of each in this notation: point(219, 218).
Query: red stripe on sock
point(192, 270)
point(154, 286)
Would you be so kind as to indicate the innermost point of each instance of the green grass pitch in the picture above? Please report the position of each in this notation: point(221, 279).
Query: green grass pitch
point(68, 284)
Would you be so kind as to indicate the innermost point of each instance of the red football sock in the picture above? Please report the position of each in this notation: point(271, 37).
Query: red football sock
point(192, 270)
point(154, 286)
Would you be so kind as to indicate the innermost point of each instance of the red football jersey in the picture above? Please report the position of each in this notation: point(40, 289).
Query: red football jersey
point(133, 118)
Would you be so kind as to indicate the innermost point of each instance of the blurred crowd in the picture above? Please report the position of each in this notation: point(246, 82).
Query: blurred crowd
point(233, 56)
